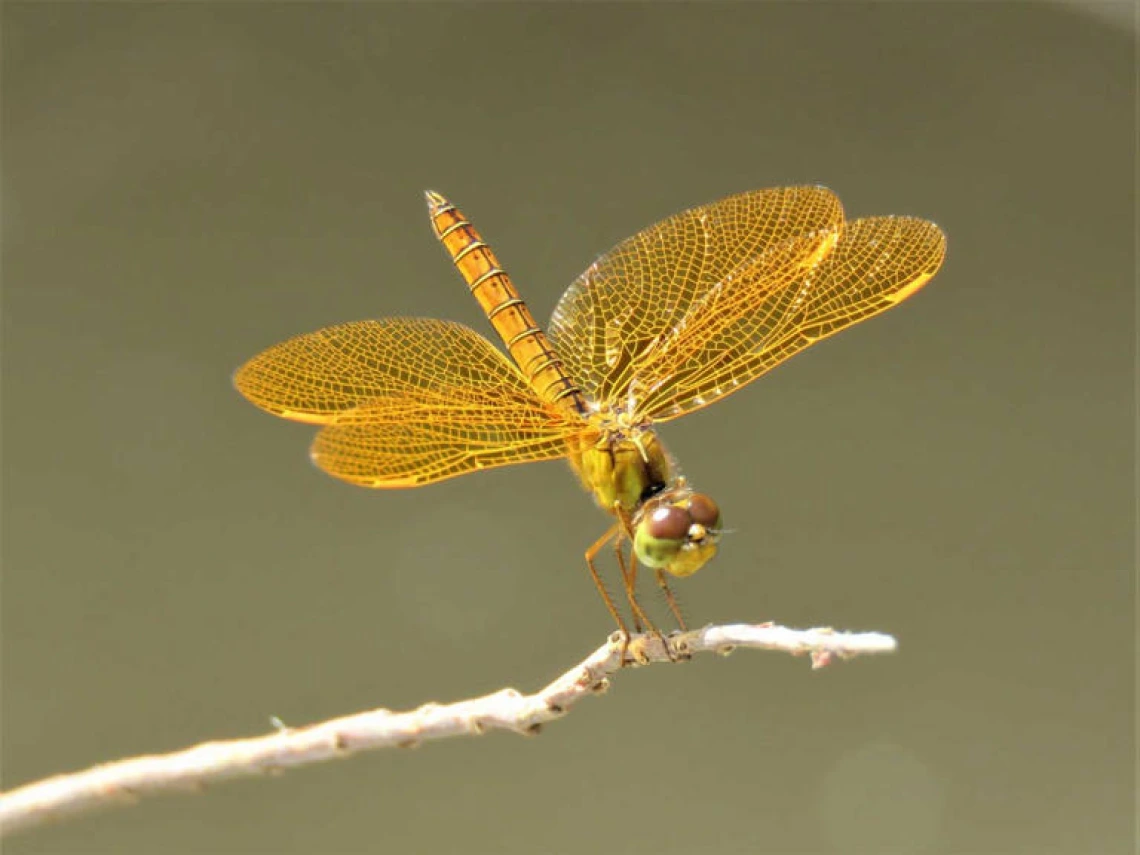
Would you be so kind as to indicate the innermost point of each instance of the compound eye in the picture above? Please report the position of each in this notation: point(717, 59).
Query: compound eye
point(704, 511)
point(668, 522)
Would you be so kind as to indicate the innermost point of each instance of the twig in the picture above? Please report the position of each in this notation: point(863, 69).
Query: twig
point(126, 781)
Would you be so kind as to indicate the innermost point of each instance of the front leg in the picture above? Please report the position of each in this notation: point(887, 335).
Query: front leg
point(629, 572)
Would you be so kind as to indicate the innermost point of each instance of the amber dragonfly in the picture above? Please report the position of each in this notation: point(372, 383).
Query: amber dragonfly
point(668, 321)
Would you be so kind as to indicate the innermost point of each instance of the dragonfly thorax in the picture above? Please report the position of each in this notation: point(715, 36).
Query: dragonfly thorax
point(622, 467)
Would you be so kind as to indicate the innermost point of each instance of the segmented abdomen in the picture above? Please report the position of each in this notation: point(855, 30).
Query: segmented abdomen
point(505, 309)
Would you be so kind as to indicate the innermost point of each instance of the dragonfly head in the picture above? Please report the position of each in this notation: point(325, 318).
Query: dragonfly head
point(677, 531)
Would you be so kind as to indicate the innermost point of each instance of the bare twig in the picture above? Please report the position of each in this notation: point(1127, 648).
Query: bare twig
point(127, 780)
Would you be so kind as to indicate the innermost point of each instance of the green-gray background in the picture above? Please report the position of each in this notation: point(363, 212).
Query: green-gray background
point(187, 184)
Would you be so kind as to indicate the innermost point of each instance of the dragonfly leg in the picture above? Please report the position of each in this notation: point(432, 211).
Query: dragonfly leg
point(672, 600)
point(629, 575)
point(591, 554)
point(628, 583)
point(629, 579)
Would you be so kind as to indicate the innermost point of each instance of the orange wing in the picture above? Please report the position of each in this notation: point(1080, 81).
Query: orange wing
point(700, 304)
point(767, 312)
point(406, 401)
point(639, 292)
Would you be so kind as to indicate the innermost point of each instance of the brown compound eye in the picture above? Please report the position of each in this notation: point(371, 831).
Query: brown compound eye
point(704, 511)
point(668, 522)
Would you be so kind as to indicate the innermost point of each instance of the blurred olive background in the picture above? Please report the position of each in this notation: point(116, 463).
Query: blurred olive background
point(185, 185)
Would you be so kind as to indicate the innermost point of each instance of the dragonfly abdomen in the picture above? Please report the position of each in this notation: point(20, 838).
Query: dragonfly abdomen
point(504, 308)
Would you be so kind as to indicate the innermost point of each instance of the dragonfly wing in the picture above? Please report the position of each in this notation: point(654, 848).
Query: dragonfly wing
point(405, 401)
point(770, 309)
point(318, 376)
point(618, 311)
point(390, 444)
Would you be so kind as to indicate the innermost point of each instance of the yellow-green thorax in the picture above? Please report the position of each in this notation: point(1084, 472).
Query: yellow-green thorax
point(631, 475)
point(621, 469)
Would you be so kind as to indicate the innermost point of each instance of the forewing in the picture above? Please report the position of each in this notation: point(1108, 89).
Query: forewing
point(767, 311)
point(620, 309)
point(317, 376)
point(405, 401)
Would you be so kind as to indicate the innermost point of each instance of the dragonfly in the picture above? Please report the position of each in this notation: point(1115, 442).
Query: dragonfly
point(670, 320)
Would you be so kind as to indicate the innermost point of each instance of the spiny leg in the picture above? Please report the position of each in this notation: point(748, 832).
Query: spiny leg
point(629, 572)
point(629, 580)
point(591, 554)
point(625, 579)
point(672, 600)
